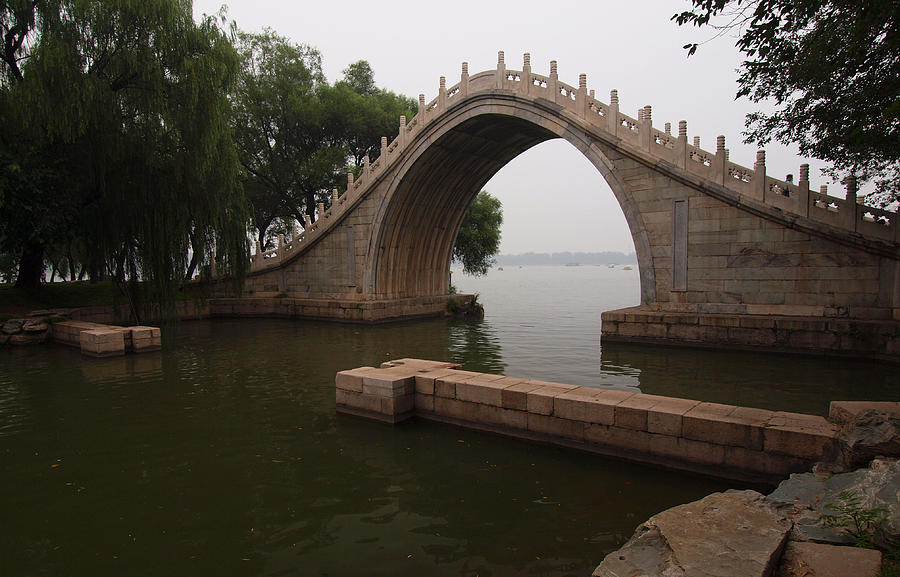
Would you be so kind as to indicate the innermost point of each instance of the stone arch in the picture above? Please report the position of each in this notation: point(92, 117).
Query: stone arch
point(444, 169)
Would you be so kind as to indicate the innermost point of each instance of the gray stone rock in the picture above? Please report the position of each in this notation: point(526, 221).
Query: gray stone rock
point(805, 497)
point(12, 326)
point(732, 534)
point(28, 338)
point(35, 326)
point(868, 435)
point(818, 560)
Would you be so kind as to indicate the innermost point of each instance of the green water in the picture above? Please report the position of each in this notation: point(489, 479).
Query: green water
point(223, 454)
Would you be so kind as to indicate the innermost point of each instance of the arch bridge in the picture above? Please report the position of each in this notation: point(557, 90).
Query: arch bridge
point(723, 250)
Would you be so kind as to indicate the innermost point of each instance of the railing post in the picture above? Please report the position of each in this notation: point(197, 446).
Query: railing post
point(527, 79)
point(321, 209)
point(553, 84)
point(759, 175)
point(442, 94)
point(367, 166)
point(402, 135)
point(501, 70)
point(721, 168)
point(614, 112)
point(803, 185)
point(280, 247)
point(383, 154)
point(581, 99)
point(464, 80)
point(681, 145)
point(421, 114)
point(646, 124)
point(334, 197)
point(852, 207)
point(307, 221)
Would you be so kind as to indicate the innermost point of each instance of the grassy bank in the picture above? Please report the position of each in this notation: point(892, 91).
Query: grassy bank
point(15, 301)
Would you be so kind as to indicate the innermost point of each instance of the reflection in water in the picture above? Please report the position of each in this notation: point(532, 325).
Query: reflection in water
point(803, 384)
point(225, 450)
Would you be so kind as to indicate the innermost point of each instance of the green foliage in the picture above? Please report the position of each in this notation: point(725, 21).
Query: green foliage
point(865, 525)
point(478, 239)
point(116, 133)
point(832, 70)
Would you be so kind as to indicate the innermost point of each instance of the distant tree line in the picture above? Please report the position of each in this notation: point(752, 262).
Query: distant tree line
point(564, 258)
point(139, 145)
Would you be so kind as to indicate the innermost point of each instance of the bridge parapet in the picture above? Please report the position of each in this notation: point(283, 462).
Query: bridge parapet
point(636, 135)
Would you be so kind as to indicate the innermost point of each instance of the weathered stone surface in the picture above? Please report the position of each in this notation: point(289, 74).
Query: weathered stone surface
point(24, 338)
point(12, 326)
point(732, 534)
point(868, 435)
point(817, 560)
point(805, 497)
point(35, 326)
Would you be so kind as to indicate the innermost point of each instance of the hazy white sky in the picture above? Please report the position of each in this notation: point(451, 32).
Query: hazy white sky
point(630, 46)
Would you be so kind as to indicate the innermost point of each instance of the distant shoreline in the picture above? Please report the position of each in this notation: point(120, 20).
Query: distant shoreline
point(564, 258)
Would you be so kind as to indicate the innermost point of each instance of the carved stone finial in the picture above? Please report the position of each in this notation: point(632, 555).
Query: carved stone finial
point(582, 82)
point(383, 142)
point(697, 141)
point(465, 68)
point(804, 173)
point(648, 113)
point(500, 60)
point(403, 121)
point(591, 93)
point(668, 128)
point(334, 196)
point(553, 71)
point(321, 207)
point(443, 83)
point(614, 96)
point(349, 180)
point(727, 153)
point(682, 129)
point(761, 157)
point(421, 101)
point(366, 162)
point(527, 59)
point(720, 144)
point(851, 186)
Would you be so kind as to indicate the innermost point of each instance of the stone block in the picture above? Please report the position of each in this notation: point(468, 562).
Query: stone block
point(477, 390)
point(738, 427)
point(145, 339)
point(540, 400)
point(354, 400)
point(681, 449)
point(395, 406)
point(103, 342)
point(554, 426)
point(602, 407)
point(665, 417)
point(351, 380)
point(573, 404)
point(629, 439)
point(804, 436)
point(424, 403)
point(515, 396)
point(631, 413)
point(379, 382)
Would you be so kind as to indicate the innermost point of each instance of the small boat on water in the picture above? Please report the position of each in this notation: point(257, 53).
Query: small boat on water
point(573, 264)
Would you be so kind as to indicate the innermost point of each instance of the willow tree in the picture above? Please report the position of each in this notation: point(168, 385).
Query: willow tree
point(116, 131)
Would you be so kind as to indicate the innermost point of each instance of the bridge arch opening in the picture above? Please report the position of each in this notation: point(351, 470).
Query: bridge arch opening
point(417, 222)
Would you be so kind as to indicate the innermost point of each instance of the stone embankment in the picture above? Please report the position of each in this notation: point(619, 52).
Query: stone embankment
point(734, 534)
point(711, 438)
point(94, 339)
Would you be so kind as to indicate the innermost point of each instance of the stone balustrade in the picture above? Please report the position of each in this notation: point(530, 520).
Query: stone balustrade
point(637, 135)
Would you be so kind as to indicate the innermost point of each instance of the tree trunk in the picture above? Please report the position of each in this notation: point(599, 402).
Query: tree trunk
point(31, 266)
point(311, 206)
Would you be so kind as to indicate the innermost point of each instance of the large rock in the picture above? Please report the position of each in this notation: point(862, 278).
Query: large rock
point(869, 434)
point(817, 560)
point(732, 534)
point(805, 497)
point(35, 326)
point(12, 326)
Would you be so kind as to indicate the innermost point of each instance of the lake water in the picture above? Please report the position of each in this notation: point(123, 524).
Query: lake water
point(223, 454)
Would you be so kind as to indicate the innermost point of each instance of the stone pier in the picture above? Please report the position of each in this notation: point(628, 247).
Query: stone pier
point(709, 438)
